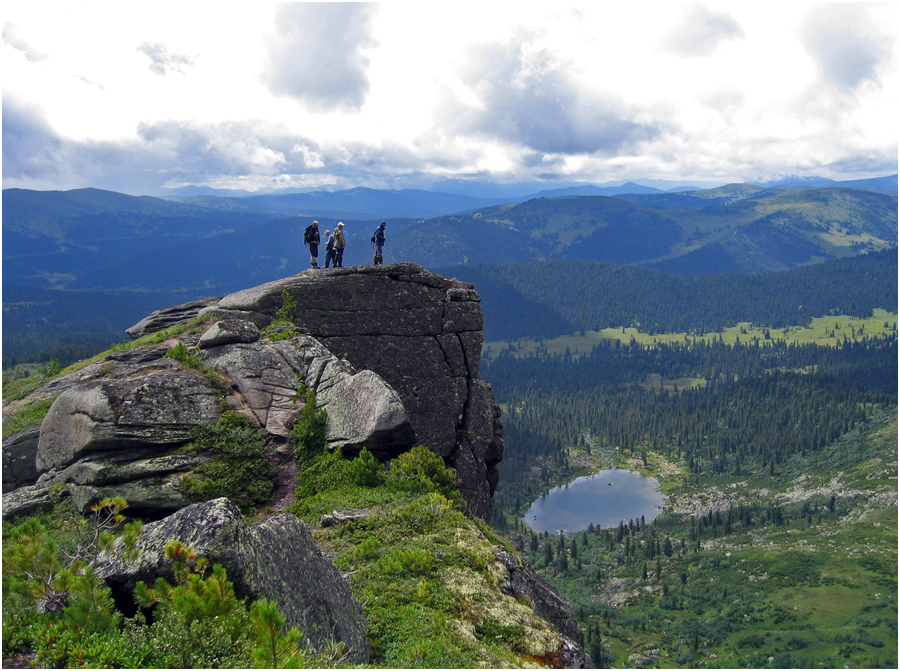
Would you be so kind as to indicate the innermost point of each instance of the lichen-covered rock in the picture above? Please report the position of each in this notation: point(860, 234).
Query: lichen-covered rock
point(362, 409)
point(420, 332)
point(523, 581)
point(277, 559)
point(229, 331)
point(167, 317)
point(20, 459)
point(26, 501)
point(152, 407)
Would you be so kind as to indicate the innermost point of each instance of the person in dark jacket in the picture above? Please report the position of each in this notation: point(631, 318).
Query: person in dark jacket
point(379, 238)
point(311, 239)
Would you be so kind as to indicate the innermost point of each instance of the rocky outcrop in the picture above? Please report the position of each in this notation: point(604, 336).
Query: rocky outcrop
point(392, 353)
point(163, 319)
point(277, 560)
point(362, 410)
point(145, 405)
point(20, 459)
point(421, 333)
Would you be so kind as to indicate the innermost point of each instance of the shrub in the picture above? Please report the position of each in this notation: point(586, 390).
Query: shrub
point(238, 470)
point(182, 355)
point(308, 431)
point(288, 308)
point(53, 604)
point(366, 470)
point(490, 629)
point(421, 470)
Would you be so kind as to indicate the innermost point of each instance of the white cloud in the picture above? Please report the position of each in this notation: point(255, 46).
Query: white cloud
point(12, 38)
point(700, 31)
point(526, 97)
point(316, 53)
point(164, 62)
point(403, 94)
point(846, 44)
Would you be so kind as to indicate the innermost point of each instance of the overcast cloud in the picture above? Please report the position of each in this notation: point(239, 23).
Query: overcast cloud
point(525, 97)
point(398, 94)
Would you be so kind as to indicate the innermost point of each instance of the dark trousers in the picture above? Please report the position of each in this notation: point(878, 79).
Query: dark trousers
point(339, 257)
point(314, 252)
point(329, 257)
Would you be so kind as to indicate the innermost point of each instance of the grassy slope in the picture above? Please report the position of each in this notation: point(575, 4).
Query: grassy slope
point(428, 576)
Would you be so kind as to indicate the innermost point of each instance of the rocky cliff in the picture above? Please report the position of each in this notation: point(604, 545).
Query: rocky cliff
point(422, 333)
point(391, 354)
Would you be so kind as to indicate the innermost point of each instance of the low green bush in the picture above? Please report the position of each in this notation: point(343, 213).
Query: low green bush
point(238, 470)
point(366, 470)
point(420, 470)
point(308, 431)
point(182, 355)
point(198, 622)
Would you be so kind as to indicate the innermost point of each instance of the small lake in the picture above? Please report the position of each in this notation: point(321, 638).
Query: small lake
point(603, 499)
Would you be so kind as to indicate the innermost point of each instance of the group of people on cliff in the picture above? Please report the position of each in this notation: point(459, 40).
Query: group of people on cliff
point(335, 242)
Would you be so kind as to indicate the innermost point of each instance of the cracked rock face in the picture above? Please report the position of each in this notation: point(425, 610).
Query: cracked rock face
point(362, 410)
point(421, 333)
point(158, 406)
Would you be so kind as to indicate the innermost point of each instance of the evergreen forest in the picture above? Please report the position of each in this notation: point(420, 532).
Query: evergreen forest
point(777, 546)
point(550, 298)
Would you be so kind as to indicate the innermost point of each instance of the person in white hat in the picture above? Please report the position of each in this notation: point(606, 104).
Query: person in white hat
point(339, 244)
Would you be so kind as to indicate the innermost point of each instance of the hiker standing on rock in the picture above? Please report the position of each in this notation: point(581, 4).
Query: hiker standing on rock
point(339, 244)
point(329, 248)
point(379, 238)
point(311, 240)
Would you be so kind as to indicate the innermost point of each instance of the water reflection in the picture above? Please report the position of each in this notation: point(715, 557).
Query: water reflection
point(603, 499)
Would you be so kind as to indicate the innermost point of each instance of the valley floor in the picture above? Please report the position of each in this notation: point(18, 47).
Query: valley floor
point(792, 570)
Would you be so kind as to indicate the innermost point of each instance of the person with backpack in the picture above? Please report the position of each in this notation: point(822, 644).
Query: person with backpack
point(378, 238)
point(339, 244)
point(311, 240)
point(329, 248)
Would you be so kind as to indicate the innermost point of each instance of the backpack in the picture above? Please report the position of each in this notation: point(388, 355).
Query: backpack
point(309, 235)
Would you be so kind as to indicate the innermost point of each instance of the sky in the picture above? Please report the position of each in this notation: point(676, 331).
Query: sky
point(143, 98)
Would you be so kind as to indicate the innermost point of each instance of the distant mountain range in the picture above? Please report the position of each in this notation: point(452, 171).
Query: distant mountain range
point(365, 203)
point(96, 240)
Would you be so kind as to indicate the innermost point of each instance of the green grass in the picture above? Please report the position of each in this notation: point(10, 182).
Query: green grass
point(826, 331)
point(426, 574)
point(32, 415)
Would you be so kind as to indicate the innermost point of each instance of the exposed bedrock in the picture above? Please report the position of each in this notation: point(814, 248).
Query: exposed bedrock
point(421, 333)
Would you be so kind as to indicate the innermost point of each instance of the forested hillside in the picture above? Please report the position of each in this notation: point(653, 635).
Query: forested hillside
point(765, 450)
point(549, 298)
